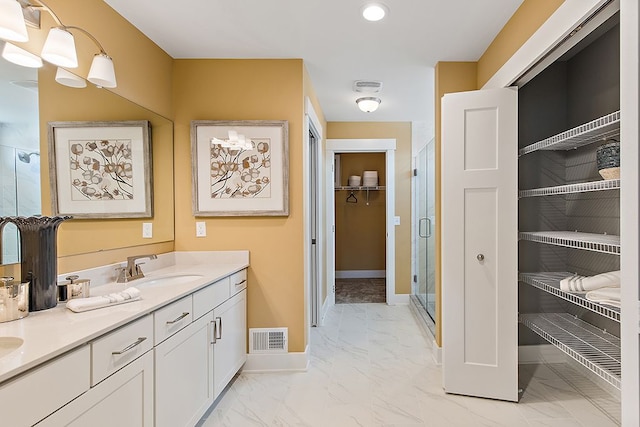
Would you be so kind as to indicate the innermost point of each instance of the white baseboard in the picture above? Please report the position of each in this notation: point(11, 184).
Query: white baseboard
point(436, 352)
point(399, 299)
point(257, 363)
point(540, 353)
point(361, 274)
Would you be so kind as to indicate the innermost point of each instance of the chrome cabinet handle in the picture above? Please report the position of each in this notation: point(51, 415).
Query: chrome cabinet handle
point(480, 257)
point(214, 323)
point(130, 346)
point(177, 319)
point(219, 330)
point(238, 284)
point(428, 226)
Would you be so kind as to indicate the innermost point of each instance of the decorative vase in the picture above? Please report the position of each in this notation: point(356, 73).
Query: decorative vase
point(38, 257)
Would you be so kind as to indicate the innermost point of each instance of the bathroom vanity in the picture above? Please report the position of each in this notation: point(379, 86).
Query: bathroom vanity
point(158, 361)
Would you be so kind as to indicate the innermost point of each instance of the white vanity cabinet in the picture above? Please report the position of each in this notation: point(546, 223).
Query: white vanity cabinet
point(184, 383)
point(121, 380)
point(194, 364)
point(123, 399)
point(230, 329)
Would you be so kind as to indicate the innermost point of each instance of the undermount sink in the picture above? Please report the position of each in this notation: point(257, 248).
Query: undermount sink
point(9, 344)
point(173, 279)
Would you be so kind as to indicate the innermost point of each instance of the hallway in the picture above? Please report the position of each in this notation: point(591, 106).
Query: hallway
point(371, 366)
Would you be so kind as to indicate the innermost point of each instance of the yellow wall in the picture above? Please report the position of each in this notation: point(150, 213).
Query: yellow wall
point(360, 226)
point(144, 76)
point(248, 90)
point(463, 76)
point(401, 131)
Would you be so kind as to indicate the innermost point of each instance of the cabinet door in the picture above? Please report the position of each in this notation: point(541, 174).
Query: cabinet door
point(479, 243)
point(230, 347)
point(125, 399)
point(183, 363)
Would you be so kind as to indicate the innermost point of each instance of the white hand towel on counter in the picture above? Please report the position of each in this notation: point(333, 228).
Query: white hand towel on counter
point(608, 296)
point(84, 304)
point(577, 283)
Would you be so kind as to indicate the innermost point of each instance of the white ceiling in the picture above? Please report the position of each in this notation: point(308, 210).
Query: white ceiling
point(337, 45)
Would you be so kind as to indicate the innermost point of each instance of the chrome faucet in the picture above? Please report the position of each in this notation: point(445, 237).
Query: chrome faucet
point(132, 271)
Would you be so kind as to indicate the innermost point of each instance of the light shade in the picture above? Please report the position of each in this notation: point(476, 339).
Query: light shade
point(374, 11)
point(12, 25)
point(67, 78)
point(60, 49)
point(102, 73)
point(368, 104)
point(19, 56)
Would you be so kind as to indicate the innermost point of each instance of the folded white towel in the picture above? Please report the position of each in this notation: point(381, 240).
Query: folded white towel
point(577, 283)
point(84, 304)
point(608, 296)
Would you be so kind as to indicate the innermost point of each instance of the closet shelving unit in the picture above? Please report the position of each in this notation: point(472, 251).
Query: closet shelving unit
point(592, 347)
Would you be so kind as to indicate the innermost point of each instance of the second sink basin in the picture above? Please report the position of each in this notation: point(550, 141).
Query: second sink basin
point(170, 279)
point(9, 344)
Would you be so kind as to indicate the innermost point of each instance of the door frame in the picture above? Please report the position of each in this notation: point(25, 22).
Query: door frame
point(313, 125)
point(388, 147)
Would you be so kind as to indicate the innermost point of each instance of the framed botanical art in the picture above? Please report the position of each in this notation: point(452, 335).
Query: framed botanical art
point(240, 168)
point(101, 169)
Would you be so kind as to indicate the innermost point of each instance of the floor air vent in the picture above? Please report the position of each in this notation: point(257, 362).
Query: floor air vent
point(268, 340)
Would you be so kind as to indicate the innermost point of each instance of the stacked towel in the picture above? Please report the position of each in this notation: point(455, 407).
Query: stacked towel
point(608, 296)
point(589, 283)
point(92, 303)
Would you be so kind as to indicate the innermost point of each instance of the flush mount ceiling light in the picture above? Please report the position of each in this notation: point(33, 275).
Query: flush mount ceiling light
point(19, 56)
point(368, 104)
point(59, 47)
point(374, 11)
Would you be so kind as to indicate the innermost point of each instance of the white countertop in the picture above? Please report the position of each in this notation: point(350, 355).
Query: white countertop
point(49, 333)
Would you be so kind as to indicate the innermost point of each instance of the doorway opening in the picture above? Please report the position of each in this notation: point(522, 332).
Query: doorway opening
point(372, 194)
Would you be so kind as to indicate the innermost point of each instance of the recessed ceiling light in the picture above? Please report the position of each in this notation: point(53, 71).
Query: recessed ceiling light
point(374, 11)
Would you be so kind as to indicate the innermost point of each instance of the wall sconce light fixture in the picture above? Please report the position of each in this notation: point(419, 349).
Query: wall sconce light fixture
point(59, 48)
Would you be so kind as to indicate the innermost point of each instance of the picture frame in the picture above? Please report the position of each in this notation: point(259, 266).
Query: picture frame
point(228, 180)
point(101, 169)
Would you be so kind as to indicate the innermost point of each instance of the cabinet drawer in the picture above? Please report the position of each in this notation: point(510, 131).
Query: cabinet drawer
point(42, 390)
point(118, 348)
point(172, 318)
point(238, 282)
point(212, 296)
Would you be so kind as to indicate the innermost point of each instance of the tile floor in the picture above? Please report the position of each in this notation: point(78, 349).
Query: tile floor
point(371, 366)
point(358, 291)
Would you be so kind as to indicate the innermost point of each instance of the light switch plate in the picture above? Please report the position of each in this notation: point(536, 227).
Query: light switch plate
point(396, 220)
point(147, 230)
point(201, 229)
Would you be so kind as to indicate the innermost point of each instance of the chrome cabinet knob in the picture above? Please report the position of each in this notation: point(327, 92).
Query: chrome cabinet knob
point(480, 257)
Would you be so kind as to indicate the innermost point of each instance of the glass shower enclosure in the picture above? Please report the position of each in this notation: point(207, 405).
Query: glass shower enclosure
point(424, 286)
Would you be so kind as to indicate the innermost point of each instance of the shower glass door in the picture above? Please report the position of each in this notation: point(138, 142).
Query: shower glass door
point(425, 287)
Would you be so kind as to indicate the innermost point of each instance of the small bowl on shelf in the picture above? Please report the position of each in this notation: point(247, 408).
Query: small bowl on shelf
point(608, 160)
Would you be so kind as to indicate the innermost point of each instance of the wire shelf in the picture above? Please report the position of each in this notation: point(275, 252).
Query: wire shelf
point(604, 243)
point(348, 188)
point(594, 348)
point(596, 130)
point(583, 187)
point(550, 282)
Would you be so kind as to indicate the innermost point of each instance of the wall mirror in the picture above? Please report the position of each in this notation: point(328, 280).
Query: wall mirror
point(27, 152)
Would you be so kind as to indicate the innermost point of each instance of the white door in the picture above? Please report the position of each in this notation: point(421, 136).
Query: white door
point(479, 243)
point(230, 343)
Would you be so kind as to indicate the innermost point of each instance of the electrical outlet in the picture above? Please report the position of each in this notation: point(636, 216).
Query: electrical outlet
point(396, 220)
point(201, 229)
point(147, 230)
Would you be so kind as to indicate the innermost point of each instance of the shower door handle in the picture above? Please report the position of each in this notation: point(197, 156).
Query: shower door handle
point(425, 219)
point(428, 221)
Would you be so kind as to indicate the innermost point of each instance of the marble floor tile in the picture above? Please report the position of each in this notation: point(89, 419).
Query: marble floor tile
point(370, 365)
